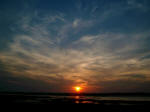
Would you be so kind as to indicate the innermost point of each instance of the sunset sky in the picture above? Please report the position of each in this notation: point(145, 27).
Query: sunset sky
point(55, 45)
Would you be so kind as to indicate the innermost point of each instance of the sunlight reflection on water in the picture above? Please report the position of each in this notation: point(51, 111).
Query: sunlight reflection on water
point(100, 98)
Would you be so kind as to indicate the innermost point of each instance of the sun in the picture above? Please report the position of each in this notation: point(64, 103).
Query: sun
point(77, 89)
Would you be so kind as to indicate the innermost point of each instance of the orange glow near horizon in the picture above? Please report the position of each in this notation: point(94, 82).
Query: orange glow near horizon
point(77, 89)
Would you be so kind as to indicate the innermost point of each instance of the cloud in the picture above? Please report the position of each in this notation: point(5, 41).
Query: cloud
point(59, 49)
point(91, 57)
point(125, 86)
point(138, 5)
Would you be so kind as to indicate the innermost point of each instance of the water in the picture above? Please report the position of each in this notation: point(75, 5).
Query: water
point(75, 99)
point(100, 99)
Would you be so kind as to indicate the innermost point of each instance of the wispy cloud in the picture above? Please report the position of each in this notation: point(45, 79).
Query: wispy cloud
point(57, 50)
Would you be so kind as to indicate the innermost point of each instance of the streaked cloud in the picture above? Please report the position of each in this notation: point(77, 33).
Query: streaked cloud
point(58, 50)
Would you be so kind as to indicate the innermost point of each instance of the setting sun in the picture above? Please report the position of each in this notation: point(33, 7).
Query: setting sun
point(77, 89)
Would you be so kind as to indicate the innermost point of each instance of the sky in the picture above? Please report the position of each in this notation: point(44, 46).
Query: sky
point(54, 45)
